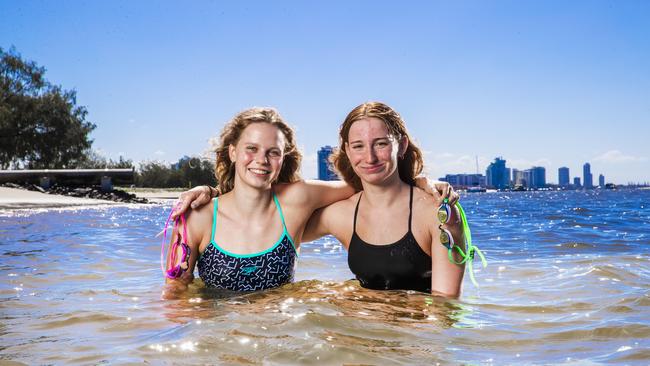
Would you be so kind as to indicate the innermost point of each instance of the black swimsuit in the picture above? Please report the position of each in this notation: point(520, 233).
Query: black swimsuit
point(402, 265)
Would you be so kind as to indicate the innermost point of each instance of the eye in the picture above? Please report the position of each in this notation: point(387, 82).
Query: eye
point(357, 147)
point(381, 144)
point(251, 148)
point(275, 153)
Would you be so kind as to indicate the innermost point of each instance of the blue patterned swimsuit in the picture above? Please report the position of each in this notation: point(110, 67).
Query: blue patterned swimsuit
point(270, 268)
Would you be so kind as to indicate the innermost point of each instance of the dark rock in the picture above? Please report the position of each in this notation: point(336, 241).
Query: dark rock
point(89, 192)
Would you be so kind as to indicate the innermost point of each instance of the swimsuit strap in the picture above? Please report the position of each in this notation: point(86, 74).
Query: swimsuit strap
point(277, 204)
point(214, 219)
point(354, 228)
point(410, 208)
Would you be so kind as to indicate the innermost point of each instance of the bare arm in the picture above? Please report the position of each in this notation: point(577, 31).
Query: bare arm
point(447, 277)
point(316, 226)
point(195, 226)
point(323, 193)
point(195, 198)
point(320, 193)
point(315, 193)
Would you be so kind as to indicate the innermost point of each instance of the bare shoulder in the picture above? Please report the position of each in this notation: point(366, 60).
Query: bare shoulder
point(339, 217)
point(424, 201)
point(200, 218)
point(291, 193)
point(345, 205)
point(425, 207)
point(341, 212)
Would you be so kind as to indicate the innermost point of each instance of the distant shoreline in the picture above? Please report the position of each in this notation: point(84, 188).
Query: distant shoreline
point(20, 199)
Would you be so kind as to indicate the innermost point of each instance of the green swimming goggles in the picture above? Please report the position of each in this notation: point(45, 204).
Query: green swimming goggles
point(447, 240)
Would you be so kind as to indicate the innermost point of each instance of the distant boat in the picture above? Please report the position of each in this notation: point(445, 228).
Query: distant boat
point(475, 189)
point(519, 188)
point(610, 186)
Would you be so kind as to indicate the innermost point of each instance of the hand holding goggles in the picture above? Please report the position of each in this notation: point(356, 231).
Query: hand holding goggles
point(447, 240)
point(184, 264)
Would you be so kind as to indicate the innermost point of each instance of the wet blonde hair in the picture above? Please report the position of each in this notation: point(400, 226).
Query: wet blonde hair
point(409, 166)
point(224, 167)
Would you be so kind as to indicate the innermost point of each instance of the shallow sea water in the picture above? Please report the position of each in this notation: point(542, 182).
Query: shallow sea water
point(568, 282)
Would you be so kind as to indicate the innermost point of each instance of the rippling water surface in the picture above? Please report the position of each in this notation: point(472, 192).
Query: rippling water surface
point(568, 282)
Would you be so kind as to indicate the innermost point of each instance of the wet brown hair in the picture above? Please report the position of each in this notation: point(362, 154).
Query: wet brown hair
point(224, 167)
point(409, 166)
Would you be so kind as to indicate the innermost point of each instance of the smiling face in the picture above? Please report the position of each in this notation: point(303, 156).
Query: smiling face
point(373, 151)
point(258, 155)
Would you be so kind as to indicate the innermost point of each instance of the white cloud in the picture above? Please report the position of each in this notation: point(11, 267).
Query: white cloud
point(615, 156)
point(159, 153)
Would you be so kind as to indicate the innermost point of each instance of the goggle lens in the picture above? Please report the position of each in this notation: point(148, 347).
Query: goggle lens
point(444, 212)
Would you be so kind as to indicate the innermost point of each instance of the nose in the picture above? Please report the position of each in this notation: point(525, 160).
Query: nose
point(371, 157)
point(262, 158)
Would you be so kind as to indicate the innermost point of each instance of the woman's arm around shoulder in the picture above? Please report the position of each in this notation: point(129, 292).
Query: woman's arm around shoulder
point(313, 194)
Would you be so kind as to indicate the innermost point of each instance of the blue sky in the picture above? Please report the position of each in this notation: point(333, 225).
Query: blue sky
point(539, 83)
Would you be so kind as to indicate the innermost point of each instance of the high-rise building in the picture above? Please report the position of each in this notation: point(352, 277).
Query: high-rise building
point(534, 177)
point(465, 180)
point(521, 178)
point(601, 181)
point(537, 177)
point(497, 175)
point(576, 182)
point(325, 171)
point(587, 178)
point(563, 177)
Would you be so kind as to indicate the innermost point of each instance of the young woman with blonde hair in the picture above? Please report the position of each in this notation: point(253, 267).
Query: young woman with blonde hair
point(246, 239)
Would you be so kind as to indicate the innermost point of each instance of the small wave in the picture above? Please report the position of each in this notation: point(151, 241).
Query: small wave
point(628, 331)
point(576, 245)
point(75, 320)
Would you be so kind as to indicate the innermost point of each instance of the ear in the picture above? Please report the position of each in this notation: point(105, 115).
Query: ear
point(231, 153)
point(403, 145)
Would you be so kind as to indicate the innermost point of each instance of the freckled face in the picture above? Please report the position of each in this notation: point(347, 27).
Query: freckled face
point(372, 150)
point(258, 155)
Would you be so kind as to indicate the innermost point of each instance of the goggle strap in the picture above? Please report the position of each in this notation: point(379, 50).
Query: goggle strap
point(471, 249)
point(174, 246)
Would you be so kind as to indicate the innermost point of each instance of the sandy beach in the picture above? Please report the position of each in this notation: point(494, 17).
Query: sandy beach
point(11, 198)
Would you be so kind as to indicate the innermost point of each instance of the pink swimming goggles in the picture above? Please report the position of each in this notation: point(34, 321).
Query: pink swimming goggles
point(181, 239)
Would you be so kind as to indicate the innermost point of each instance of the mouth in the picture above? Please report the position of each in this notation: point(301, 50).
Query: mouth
point(261, 172)
point(373, 168)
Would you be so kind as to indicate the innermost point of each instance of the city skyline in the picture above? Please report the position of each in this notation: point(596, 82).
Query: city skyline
point(499, 176)
point(537, 86)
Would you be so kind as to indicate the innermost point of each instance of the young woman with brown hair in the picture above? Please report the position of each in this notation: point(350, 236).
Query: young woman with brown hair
point(389, 227)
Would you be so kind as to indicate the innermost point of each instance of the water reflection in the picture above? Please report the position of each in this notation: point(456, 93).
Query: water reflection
point(567, 283)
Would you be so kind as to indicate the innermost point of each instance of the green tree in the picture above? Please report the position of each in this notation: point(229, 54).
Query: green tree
point(187, 172)
point(93, 160)
point(153, 174)
point(41, 125)
point(196, 172)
